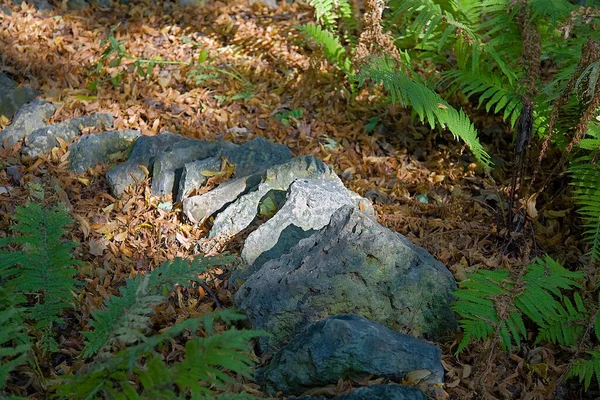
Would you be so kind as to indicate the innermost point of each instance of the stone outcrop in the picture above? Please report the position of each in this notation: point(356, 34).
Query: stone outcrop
point(341, 296)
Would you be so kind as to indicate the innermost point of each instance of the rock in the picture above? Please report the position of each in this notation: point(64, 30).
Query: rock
point(143, 152)
point(192, 178)
point(187, 3)
point(41, 5)
point(42, 140)
point(29, 118)
point(256, 156)
point(77, 4)
point(240, 214)
point(377, 392)
point(13, 97)
point(98, 148)
point(353, 265)
point(272, 4)
point(196, 208)
point(168, 165)
point(347, 347)
point(104, 4)
point(308, 208)
point(250, 161)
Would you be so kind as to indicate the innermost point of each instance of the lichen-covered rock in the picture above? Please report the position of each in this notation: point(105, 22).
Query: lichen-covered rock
point(308, 207)
point(143, 152)
point(348, 347)
point(256, 156)
point(196, 208)
point(376, 392)
point(30, 117)
point(42, 140)
point(168, 165)
point(239, 215)
point(353, 265)
point(98, 148)
point(192, 175)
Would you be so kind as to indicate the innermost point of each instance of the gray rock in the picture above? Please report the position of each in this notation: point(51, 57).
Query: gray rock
point(377, 392)
point(240, 214)
point(105, 4)
point(250, 160)
point(187, 3)
point(196, 208)
point(347, 347)
point(41, 5)
point(192, 178)
point(77, 4)
point(6, 11)
point(256, 155)
point(98, 148)
point(13, 97)
point(44, 139)
point(29, 118)
point(309, 207)
point(143, 153)
point(272, 4)
point(353, 265)
point(168, 165)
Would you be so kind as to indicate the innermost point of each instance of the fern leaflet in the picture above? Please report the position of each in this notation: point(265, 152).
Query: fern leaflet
point(126, 318)
point(428, 105)
point(44, 266)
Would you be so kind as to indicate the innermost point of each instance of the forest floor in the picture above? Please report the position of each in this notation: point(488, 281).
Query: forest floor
point(262, 79)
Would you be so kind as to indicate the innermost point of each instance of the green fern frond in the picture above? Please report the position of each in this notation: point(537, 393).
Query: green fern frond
point(586, 193)
point(13, 343)
point(555, 10)
point(491, 303)
point(328, 12)
point(496, 94)
point(333, 49)
point(44, 266)
point(207, 364)
point(477, 307)
point(567, 325)
point(126, 318)
point(585, 369)
point(428, 105)
point(543, 280)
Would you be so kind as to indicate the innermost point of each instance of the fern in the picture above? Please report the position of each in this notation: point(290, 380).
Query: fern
point(328, 12)
point(44, 267)
point(585, 369)
point(126, 318)
point(585, 173)
point(491, 303)
point(13, 343)
point(428, 105)
point(333, 49)
point(207, 364)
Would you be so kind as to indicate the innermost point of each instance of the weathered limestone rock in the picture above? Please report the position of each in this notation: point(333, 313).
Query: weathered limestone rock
point(98, 148)
point(308, 208)
point(42, 140)
point(353, 265)
point(192, 177)
point(348, 347)
point(30, 117)
point(256, 156)
point(240, 214)
point(168, 165)
point(196, 208)
point(145, 149)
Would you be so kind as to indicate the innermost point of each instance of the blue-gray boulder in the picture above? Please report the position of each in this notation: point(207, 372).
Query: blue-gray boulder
point(347, 347)
point(353, 265)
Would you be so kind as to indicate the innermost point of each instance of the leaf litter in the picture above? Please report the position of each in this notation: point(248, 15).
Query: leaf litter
point(257, 77)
